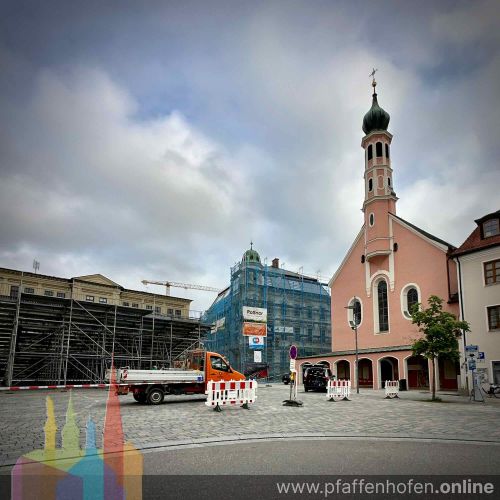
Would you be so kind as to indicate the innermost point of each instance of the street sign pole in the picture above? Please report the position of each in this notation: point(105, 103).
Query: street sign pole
point(293, 401)
point(472, 355)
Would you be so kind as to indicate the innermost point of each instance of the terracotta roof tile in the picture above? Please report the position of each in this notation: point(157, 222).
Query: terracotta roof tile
point(474, 242)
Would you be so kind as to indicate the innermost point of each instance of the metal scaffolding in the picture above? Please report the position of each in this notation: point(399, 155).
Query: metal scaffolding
point(298, 312)
point(48, 340)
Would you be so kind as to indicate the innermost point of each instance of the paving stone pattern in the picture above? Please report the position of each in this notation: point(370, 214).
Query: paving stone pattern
point(187, 420)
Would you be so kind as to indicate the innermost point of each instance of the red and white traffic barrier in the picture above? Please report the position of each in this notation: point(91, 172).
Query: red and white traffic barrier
point(234, 392)
point(338, 390)
point(391, 389)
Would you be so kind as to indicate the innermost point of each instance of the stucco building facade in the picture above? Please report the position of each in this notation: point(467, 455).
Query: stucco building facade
point(478, 260)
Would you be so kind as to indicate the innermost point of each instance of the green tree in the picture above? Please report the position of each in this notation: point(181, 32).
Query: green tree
point(441, 331)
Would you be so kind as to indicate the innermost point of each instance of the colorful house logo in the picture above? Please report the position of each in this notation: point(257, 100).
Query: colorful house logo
point(113, 471)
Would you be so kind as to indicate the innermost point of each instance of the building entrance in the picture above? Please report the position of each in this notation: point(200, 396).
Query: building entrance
point(365, 371)
point(496, 372)
point(418, 372)
point(388, 370)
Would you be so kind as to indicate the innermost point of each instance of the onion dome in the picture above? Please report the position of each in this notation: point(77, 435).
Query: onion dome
point(251, 255)
point(377, 118)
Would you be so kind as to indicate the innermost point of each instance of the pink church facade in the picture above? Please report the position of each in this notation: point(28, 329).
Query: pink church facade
point(390, 265)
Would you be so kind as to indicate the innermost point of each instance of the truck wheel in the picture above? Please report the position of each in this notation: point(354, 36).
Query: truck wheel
point(155, 396)
point(140, 397)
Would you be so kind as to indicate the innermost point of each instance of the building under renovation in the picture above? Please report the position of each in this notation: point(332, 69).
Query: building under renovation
point(298, 312)
point(64, 331)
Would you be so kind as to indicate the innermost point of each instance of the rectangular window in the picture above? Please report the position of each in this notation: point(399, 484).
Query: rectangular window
point(135, 306)
point(297, 311)
point(383, 307)
point(149, 307)
point(492, 272)
point(491, 228)
point(494, 318)
point(89, 298)
point(14, 291)
point(178, 312)
point(170, 312)
point(48, 293)
point(28, 289)
point(126, 304)
point(158, 309)
point(61, 295)
point(309, 312)
point(322, 335)
point(103, 300)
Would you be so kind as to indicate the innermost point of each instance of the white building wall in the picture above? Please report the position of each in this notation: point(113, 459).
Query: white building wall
point(476, 297)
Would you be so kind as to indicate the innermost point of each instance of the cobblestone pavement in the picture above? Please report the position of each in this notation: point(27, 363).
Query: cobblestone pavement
point(185, 420)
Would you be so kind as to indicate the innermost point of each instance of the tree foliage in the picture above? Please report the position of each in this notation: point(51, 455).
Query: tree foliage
point(440, 333)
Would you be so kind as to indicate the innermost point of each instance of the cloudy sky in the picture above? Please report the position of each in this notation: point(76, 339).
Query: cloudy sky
point(155, 140)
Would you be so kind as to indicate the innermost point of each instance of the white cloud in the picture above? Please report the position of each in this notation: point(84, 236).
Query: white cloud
point(254, 133)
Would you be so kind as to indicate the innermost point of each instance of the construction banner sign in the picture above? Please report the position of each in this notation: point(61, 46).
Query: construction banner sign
point(255, 329)
point(257, 314)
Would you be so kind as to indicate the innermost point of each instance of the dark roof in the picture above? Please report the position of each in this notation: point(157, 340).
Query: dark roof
point(376, 118)
point(484, 218)
point(475, 242)
point(426, 234)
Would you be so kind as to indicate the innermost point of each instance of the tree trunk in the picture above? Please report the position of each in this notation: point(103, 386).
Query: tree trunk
point(433, 379)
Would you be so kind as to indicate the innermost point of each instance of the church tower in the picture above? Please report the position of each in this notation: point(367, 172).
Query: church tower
point(380, 198)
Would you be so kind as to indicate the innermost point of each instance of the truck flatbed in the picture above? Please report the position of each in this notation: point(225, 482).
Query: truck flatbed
point(167, 376)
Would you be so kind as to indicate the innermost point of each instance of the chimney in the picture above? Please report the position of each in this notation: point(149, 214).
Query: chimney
point(276, 262)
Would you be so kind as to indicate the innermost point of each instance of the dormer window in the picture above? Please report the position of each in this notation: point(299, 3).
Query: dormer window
point(491, 228)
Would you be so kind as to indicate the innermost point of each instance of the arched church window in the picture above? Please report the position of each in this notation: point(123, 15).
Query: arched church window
point(389, 181)
point(411, 299)
point(370, 152)
point(371, 219)
point(387, 150)
point(378, 149)
point(370, 184)
point(383, 307)
point(354, 312)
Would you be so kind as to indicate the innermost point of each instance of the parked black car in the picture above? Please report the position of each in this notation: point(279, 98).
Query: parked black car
point(286, 378)
point(316, 378)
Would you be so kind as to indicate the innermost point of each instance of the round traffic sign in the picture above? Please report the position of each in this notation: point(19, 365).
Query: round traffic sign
point(293, 352)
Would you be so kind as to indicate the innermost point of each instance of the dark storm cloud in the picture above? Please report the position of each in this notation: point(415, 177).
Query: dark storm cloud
point(156, 141)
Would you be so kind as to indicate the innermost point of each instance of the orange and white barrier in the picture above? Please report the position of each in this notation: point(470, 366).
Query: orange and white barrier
point(234, 392)
point(338, 390)
point(391, 389)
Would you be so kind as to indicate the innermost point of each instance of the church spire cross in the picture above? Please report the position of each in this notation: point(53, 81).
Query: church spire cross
point(372, 76)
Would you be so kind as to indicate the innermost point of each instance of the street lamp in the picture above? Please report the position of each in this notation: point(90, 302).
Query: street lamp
point(354, 326)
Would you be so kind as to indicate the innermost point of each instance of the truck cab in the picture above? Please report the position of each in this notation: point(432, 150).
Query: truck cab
point(214, 365)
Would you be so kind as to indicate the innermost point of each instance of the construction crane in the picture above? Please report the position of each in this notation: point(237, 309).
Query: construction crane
point(186, 286)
